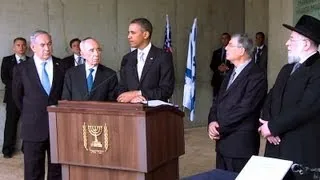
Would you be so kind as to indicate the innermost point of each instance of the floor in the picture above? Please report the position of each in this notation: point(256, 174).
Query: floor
point(199, 157)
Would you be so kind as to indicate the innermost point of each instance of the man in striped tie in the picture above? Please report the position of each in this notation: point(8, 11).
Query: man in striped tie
point(75, 59)
point(38, 83)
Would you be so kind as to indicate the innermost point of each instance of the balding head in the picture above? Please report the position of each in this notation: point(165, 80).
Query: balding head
point(91, 51)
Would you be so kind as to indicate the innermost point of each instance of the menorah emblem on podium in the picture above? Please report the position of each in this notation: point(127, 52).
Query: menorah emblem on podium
point(95, 131)
point(96, 146)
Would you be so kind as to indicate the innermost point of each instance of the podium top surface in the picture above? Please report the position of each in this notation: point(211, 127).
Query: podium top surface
point(89, 106)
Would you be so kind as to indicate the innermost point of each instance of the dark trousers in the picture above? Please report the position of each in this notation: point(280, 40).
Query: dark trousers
point(34, 161)
point(10, 129)
point(230, 164)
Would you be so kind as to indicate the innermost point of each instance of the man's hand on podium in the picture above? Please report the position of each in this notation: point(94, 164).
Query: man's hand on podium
point(138, 99)
point(128, 96)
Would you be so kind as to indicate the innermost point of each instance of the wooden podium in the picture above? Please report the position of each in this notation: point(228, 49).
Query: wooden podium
point(116, 141)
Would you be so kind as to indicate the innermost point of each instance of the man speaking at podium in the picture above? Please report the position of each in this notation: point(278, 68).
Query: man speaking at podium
point(90, 81)
point(146, 73)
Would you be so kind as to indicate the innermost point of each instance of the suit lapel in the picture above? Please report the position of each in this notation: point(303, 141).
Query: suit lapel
point(98, 77)
point(225, 82)
point(83, 87)
point(14, 59)
point(243, 74)
point(149, 61)
point(34, 74)
point(55, 73)
point(133, 65)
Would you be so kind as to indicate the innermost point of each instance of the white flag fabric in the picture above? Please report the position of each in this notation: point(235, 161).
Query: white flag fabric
point(189, 91)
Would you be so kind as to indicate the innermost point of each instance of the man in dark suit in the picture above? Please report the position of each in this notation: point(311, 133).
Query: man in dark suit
point(37, 83)
point(292, 110)
point(12, 112)
point(146, 73)
point(219, 64)
point(260, 53)
point(91, 80)
point(234, 115)
point(75, 59)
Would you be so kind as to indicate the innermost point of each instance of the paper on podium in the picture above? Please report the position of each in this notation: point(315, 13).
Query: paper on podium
point(155, 103)
point(264, 168)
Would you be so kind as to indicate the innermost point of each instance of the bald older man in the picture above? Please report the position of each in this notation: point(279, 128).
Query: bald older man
point(90, 81)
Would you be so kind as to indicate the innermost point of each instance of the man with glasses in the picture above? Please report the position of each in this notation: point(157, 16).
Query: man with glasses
point(234, 115)
point(291, 114)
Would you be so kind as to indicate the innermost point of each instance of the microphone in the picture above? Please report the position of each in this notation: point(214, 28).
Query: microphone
point(102, 83)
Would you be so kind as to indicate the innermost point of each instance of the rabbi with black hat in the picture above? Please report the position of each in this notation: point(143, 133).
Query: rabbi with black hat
point(291, 114)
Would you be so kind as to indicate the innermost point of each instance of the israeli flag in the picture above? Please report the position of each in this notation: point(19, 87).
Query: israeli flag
point(189, 91)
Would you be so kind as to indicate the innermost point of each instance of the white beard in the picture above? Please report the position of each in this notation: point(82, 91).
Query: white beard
point(293, 59)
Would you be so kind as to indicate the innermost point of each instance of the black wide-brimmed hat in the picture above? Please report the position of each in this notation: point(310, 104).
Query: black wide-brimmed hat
point(307, 26)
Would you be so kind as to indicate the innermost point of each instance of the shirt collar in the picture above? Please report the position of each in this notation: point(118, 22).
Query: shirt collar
point(76, 56)
point(88, 67)
point(241, 66)
point(145, 50)
point(39, 61)
point(260, 47)
point(20, 57)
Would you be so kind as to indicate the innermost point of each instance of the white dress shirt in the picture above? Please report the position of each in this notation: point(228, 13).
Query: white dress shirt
point(49, 67)
point(18, 58)
point(76, 59)
point(240, 68)
point(88, 71)
point(142, 60)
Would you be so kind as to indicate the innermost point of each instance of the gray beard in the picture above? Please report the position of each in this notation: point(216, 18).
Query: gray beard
point(293, 59)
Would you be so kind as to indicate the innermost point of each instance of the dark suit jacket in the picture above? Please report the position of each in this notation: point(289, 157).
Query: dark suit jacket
point(262, 60)
point(157, 78)
point(33, 100)
point(216, 61)
point(68, 62)
point(237, 112)
point(7, 65)
point(103, 89)
point(293, 111)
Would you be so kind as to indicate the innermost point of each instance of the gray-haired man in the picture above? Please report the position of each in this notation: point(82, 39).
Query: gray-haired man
point(234, 115)
point(37, 83)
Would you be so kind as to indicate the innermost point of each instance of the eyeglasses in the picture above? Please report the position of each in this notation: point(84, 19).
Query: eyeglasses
point(234, 46)
point(296, 40)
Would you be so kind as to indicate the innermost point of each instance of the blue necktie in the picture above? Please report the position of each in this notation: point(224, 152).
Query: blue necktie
point(90, 79)
point(45, 78)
